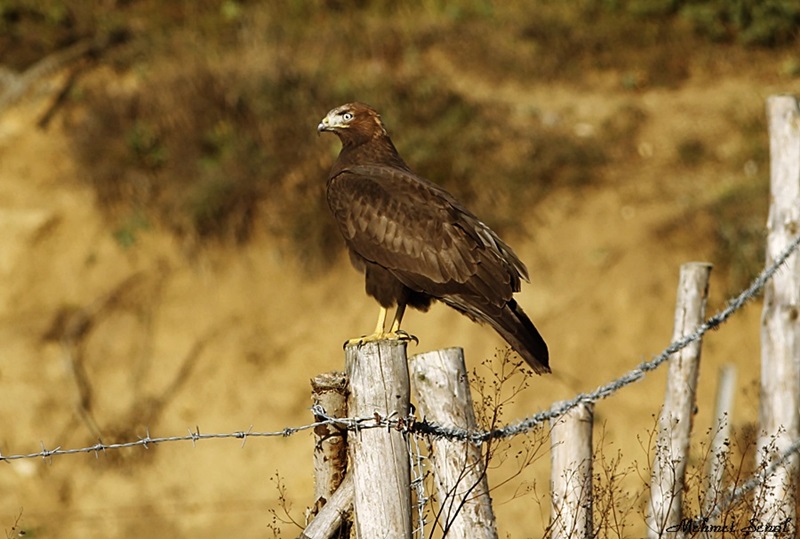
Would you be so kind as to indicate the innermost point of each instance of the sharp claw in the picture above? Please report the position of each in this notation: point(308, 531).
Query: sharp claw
point(405, 336)
point(399, 335)
point(358, 343)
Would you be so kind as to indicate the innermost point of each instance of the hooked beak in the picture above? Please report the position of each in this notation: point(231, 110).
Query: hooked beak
point(325, 125)
point(332, 122)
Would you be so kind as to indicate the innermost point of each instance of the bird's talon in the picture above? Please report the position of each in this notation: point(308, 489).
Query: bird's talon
point(358, 342)
point(405, 336)
point(398, 335)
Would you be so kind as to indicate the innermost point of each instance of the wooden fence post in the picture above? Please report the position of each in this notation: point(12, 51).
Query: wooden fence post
point(571, 473)
point(443, 396)
point(721, 433)
point(780, 324)
point(675, 421)
point(379, 457)
point(329, 391)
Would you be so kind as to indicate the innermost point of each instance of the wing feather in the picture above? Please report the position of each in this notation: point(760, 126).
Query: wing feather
point(412, 227)
point(390, 221)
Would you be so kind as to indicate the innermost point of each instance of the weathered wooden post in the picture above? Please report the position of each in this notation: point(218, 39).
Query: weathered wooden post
point(780, 322)
point(329, 391)
point(443, 396)
point(379, 457)
point(333, 515)
point(571, 473)
point(721, 433)
point(675, 421)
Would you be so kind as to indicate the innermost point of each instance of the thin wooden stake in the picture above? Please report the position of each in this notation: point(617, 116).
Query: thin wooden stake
point(675, 421)
point(780, 323)
point(379, 458)
point(328, 522)
point(329, 391)
point(571, 472)
point(720, 441)
point(443, 396)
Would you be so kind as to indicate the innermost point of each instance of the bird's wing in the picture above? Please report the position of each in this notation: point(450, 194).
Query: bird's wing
point(421, 233)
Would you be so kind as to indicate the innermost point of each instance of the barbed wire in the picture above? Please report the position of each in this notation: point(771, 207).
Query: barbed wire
point(423, 427)
point(525, 425)
point(196, 436)
point(411, 426)
point(418, 466)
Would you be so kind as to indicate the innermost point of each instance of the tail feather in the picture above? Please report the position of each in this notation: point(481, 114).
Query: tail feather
point(518, 331)
point(511, 322)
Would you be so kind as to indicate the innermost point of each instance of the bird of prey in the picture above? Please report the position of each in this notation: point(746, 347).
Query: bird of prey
point(416, 243)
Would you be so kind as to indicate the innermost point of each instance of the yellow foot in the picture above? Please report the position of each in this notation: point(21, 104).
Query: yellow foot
point(398, 335)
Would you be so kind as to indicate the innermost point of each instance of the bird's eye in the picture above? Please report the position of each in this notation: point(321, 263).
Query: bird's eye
point(347, 116)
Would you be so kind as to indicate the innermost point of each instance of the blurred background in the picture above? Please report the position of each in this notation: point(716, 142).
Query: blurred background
point(168, 262)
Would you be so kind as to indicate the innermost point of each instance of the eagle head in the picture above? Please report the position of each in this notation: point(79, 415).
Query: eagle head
point(353, 123)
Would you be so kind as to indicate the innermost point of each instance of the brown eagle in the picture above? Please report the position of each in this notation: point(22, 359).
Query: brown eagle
point(415, 242)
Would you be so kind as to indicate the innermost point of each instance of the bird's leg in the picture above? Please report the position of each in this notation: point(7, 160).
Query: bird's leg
point(380, 333)
point(398, 319)
point(381, 321)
